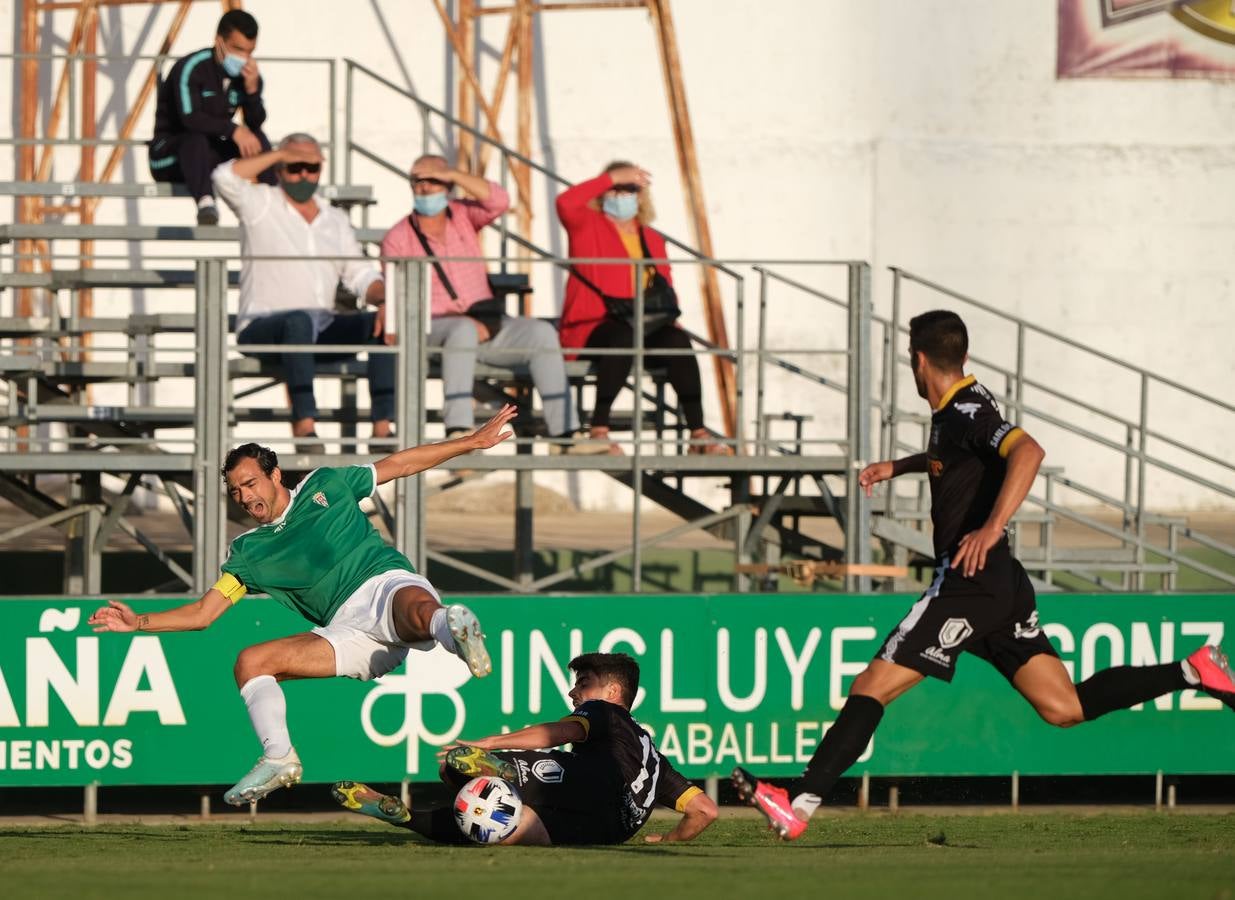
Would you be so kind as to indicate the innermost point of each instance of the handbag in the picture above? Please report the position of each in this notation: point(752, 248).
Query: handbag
point(488, 312)
point(660, 300)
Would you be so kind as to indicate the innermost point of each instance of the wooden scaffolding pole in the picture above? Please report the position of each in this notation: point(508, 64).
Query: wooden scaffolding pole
point(688, 163)
point(465, 53)
point(27, 206)
point(522, 173)
point(143, 96)
point(89, 131)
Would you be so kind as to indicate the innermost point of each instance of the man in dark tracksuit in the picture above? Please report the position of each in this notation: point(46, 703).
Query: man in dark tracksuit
point(193, 127)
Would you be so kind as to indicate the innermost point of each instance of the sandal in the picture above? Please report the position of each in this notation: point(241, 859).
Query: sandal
point(709, 449)
point(597, 443)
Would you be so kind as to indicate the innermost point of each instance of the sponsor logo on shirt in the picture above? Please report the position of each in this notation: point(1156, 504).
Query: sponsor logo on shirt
point(968, 409)
point(1000, 433)
point(935, 655)
point(320, 499)
point(1030, 629)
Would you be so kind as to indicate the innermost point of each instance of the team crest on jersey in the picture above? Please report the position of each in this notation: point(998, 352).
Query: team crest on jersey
point(953, 632)
point(968, 409)
point(549, 771)
point(320, 499)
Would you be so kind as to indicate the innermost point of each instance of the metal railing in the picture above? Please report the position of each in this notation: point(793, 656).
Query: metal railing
point(196, 446)
point(74, 61)
point(1083, 418)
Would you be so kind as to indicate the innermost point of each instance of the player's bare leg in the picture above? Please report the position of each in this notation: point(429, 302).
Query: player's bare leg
point(531, 831)
point(1044, 682)
point(788, 811)
point(418, 616)
point(259, 669)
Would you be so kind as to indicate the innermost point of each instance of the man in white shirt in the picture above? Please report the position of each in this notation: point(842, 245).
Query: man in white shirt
point(291, 301)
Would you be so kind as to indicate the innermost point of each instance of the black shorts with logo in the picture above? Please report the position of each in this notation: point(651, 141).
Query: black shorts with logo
point(993, 615)
point(577, 803)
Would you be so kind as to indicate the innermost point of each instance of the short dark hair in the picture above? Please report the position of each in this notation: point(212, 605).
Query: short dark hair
point(611, 667)
point(237, 20)
point(266, 458)
point(942, 336)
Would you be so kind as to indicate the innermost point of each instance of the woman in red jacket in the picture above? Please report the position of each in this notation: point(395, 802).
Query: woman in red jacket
point(608, 217)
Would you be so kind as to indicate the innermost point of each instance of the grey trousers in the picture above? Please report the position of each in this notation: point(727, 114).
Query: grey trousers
point(520, 341)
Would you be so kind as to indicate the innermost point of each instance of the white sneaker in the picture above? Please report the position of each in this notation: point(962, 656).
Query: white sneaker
point(267, 776)
point(469, 639)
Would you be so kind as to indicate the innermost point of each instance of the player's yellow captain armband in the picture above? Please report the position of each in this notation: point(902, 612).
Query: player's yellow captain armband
point(1009, 441)
point(687, 795)
point(230, 587)
point(582, 720)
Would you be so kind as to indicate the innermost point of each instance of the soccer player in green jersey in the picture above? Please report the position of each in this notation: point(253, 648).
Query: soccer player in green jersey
point(315, 552)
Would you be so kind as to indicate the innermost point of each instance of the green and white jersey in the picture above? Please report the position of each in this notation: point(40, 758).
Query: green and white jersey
point(315, 555)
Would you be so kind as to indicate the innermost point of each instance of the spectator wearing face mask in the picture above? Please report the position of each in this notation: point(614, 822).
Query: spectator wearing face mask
point(467, 322)
point(197, 101)
point(609, 217)
point(292, 301)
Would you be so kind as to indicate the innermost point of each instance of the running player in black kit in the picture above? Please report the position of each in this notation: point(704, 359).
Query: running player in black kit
point(980, 600)
point(601, 792)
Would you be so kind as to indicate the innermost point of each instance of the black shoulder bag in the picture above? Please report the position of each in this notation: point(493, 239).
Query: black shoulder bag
point(487, 312)
point(660, 300)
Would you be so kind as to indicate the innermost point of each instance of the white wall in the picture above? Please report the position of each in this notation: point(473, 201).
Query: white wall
point(931, 135)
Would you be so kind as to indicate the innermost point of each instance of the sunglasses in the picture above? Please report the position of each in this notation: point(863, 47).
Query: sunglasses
point(297, 168)
point(432, 181)
point(626, 188)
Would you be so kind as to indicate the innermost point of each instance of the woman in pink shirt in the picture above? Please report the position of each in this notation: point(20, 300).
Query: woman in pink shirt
point(446, 228)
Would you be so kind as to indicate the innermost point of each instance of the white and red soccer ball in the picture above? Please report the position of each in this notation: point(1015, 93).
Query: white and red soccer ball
point(488, 810)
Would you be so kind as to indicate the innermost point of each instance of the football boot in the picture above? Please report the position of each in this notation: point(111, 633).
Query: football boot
point(772, 801)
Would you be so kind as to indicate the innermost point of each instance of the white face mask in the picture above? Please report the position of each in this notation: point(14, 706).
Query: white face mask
point(232, 64)
point(430, 204)
point(623, 207)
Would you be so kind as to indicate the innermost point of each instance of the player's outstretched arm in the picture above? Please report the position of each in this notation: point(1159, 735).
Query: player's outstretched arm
point(195, 616)
point(426, 456)
point(1024, 459)
point(888, 469)
point(533, 737)
point(700, 813)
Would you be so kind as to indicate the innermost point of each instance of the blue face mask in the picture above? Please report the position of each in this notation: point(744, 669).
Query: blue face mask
point(233, 64)
point(430, 204)
point(622, 207)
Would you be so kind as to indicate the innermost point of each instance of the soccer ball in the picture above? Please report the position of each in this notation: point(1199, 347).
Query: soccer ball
point(488, 810)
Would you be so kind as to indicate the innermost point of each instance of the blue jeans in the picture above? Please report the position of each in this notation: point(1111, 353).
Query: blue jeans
point(296, 327)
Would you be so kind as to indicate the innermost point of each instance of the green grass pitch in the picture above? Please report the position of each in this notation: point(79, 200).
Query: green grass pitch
point(1030, 855)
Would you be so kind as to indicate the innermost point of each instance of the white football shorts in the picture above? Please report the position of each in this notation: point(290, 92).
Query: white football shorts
point(362, 630)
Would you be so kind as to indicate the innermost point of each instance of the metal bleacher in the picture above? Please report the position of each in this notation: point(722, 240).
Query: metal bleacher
point(152, 400)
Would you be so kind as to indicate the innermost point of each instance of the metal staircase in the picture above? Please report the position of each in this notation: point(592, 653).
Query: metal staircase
point(1129, 446)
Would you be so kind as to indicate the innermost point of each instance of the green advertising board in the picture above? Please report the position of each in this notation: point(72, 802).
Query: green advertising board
point(751, 680)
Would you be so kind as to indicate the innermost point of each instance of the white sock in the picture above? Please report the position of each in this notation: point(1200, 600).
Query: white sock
point(804, 805)
point(203, 202)
point(440, 629)
point(268, 712)
point(1190, 673)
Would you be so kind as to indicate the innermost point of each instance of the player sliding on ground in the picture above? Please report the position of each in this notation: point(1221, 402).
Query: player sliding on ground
point(601, 793)
point(316, 553)
point(980, 601)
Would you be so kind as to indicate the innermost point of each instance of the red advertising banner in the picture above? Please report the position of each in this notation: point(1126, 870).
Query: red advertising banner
point(1146, 39)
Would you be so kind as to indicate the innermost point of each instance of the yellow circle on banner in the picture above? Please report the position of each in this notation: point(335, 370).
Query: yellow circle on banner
point(1212, 18)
